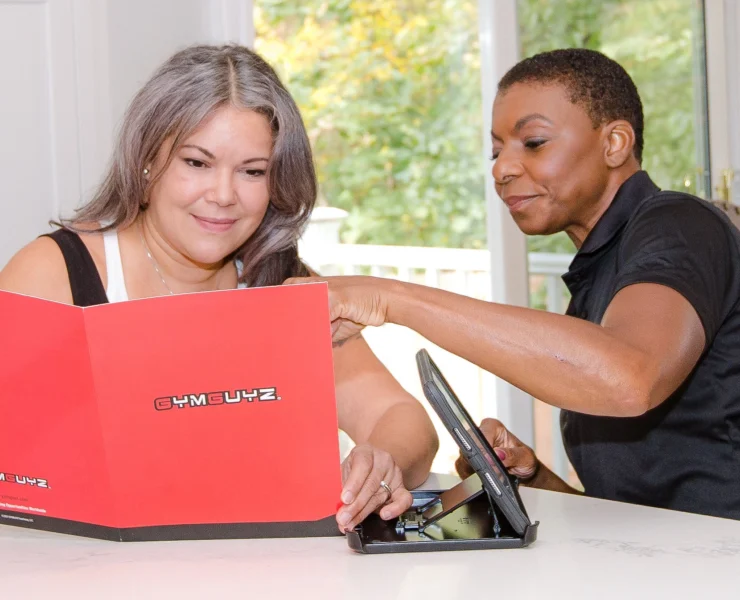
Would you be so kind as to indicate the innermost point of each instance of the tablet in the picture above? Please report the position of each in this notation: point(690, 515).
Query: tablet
point(473, 444)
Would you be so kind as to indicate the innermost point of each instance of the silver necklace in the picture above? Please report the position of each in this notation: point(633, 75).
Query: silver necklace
point(154, 262)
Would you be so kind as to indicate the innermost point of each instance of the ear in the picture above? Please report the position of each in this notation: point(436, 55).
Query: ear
point(619, 143)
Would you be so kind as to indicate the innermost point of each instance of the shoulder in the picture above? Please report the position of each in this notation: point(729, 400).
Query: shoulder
point(684, 243)
point(95, 245)
point(676, 220)
point(38, 270)
point(676, 209)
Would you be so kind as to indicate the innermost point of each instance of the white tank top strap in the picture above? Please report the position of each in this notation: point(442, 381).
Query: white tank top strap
point(239, 270)
point(116, 289)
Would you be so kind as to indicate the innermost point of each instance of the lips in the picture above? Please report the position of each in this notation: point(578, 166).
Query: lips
point(517, 202)
point(213, 224)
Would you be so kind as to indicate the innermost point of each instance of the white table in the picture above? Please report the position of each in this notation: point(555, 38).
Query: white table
point(586, 549)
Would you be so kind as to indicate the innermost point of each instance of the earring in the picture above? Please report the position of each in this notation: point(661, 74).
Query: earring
point(146, 171)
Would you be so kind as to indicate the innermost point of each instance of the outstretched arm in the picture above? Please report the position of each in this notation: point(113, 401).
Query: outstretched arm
point(647, 344)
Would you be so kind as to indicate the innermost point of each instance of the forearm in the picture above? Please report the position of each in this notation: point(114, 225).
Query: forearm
point(545, 479)
point(406, 433)
point(563, 361)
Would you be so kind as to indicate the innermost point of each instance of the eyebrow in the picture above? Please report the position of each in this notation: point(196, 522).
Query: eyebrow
point(524, 121)
point(212, 157)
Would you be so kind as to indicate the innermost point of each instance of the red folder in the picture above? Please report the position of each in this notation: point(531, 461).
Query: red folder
point(204, 415)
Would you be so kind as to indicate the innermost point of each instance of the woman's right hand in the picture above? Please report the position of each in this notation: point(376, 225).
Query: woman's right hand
point(518, 458)
point(354, 302)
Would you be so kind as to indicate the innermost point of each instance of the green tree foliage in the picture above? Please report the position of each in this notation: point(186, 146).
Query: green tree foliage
point(390, 92)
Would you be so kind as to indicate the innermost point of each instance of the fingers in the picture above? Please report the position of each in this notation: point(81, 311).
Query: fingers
point(370, 497)
point(378, 498)
point(354, 303)
point(497, 434)
point(356, 469)
point(401, 499)
point(363, 492)
point(299, 280)
point(519, 460)
point(401, 502)
point(343, 331)
point(462, 466)
point(361, 482)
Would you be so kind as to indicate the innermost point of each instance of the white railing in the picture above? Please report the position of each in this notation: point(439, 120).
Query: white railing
point(464, 268)
point(464, 271)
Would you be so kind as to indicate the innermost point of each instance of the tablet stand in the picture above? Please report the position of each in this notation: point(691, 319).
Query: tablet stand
point(448, 502)
point(464, 517)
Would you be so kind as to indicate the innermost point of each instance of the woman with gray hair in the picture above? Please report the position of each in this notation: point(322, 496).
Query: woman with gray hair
point(209, 188)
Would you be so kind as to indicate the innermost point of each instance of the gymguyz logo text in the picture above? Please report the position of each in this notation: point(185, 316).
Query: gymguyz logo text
point(24, 480)
point(268, 394)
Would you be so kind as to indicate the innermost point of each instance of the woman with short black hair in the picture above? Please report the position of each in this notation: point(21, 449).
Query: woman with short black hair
point(646, 363)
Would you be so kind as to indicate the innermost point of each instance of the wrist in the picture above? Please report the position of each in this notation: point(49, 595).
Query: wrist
point(395, 294)
point(532, 479)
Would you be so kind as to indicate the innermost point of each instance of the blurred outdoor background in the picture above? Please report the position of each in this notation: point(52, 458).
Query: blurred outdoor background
point(390, 91)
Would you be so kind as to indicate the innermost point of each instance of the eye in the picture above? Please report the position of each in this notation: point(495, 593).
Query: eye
point(494, 155)
point(534, 143)
point(195, 163)
point(254, 172)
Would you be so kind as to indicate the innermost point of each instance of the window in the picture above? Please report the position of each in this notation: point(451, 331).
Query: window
point(390, 91)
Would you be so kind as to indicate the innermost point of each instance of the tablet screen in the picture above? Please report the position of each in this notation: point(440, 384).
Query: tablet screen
point(472, 442)
point(485, 449)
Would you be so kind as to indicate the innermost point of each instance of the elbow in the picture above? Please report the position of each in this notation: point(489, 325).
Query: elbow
point(418, 472)
point(633, 393)
point(433, 447)
point(634, 404)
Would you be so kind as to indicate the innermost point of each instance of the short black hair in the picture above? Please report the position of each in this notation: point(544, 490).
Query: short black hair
point(592, 80)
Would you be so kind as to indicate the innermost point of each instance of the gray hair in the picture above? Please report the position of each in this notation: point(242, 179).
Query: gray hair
point(181, 94)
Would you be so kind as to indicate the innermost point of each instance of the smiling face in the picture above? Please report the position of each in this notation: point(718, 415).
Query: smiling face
point(552, 166)
point(213, 195)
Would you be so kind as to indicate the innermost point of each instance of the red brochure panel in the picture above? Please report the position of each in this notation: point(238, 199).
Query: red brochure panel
point(214, 413)
point(52, 462)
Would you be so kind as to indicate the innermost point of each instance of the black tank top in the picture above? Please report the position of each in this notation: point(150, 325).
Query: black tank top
point(84, 279)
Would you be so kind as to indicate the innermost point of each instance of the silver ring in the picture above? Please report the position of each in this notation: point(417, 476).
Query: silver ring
point(389, 491)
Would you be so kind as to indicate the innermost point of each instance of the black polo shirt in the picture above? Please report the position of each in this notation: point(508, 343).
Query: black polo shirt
point(685, 453)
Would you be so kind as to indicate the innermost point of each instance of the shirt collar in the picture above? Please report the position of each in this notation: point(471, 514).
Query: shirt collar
point(628, 197)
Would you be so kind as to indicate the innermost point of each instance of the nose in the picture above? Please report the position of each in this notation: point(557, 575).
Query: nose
point(223, 190)
point(506, 168)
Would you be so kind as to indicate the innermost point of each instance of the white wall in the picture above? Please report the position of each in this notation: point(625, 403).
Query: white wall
point(70, 68)
point(38, 136)
point(142, 34)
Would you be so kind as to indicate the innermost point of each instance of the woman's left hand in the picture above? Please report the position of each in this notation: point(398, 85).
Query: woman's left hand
point(364, 472)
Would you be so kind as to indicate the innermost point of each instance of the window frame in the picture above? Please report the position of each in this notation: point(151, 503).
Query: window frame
point(722, 28)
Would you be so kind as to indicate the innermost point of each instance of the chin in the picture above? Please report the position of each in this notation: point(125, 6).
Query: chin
point(210, 256)
point(533, 227)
